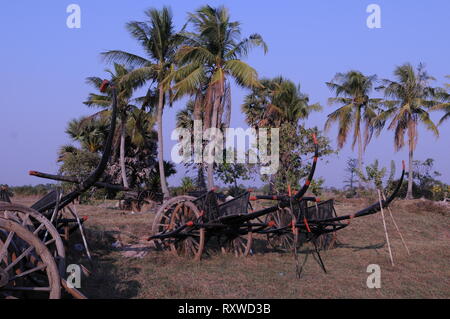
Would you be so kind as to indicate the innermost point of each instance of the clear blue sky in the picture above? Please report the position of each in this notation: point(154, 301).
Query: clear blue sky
point(44, 65)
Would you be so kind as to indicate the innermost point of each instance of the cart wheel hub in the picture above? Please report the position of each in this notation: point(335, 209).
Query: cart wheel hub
point(4, 278)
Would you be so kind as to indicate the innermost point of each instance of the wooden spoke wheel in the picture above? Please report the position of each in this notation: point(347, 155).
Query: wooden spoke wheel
point(162, 220)
point(190, 242)
point(39, 226)
point(27, 268)
point(285, 240)
point(238, 241)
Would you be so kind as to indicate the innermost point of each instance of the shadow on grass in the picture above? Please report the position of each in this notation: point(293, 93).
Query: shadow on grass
point(262, 246)
point(108, 278)
point(108, 281)
point(358, 248)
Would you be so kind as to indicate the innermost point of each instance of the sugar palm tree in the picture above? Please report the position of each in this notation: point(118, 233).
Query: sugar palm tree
point(279, 103)
point(187, 184)
point(279, 100)
point(158, 39)
point(140, 126)
point(64, 151)
point(104, 100)
point(89, 132)
point(408, 99)
point(256, 103)
point(357, 109)
point(185, 116)
point(209, 57)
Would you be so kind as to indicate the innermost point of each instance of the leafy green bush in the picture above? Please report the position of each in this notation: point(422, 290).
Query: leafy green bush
point(425, 183)
point(316, 186)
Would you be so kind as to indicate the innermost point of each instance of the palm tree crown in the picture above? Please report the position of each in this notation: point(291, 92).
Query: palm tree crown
point(443, 97)
point(210, 56)
point(408, 99)
point(352, 89)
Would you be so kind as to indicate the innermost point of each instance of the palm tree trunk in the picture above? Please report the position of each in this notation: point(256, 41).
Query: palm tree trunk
point(411, 145)
point(198, 105)
point(201, 184)
point(162, 175)
point(360, 154)
point(409, 193)
point(360, 157)
point(208, 106)
point(116, 151)
point(210, 170)
point(214, 124)
point(122, 151)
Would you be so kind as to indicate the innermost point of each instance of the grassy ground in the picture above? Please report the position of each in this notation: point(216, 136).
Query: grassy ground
point(268, 274)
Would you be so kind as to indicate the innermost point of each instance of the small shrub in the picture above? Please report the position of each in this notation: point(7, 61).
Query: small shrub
point(236, 191)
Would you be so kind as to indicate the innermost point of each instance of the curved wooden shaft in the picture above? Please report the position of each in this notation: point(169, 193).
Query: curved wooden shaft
point(97, 173)
point(71, 179)
point(305, 187)
point(372, 209)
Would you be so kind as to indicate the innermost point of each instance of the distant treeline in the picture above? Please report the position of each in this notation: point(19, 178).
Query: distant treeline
point(27, 190)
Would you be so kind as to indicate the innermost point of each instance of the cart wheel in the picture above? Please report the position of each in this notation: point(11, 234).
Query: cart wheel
point(239, 244)
point(282, 241)
point(191, 240)
point(32, 272)
point(162, 219)
point(40, 226)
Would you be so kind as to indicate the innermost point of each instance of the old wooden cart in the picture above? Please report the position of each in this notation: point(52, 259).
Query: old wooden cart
point(191, 226)
point(32, 252)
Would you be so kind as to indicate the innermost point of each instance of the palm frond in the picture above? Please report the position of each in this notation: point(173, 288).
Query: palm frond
point(244, 75)
point(425, 119)
point(190, 82)
point(243, 48)
point(98, 100)
point(124, 57)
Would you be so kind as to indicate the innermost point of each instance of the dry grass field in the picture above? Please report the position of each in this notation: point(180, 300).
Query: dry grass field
point(123, 272)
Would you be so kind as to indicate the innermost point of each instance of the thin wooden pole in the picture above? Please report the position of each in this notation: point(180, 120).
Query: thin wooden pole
point(80, 226)
point(385, 228)
point(396, 227)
